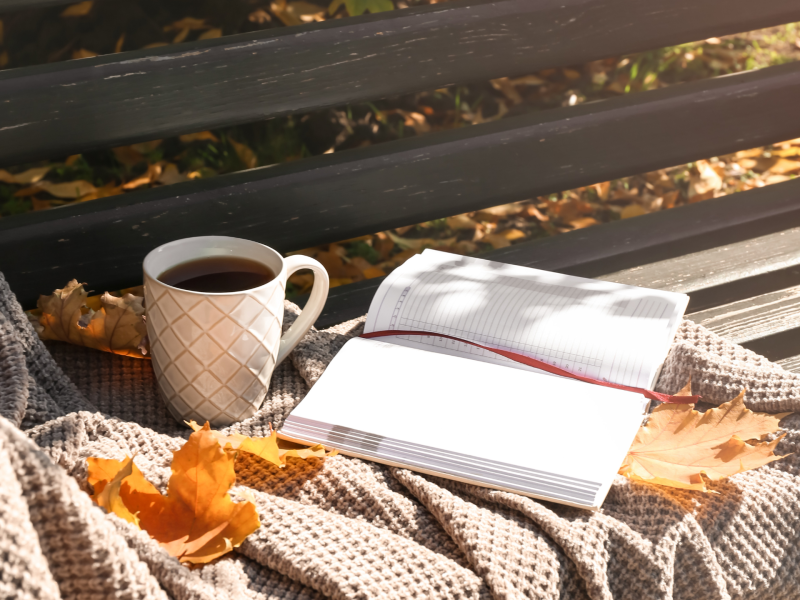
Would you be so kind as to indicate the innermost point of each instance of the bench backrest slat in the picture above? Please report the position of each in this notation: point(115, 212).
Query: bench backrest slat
point(74, 106)
point(335, 197)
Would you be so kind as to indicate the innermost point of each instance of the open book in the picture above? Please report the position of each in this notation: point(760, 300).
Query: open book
point(451, 409)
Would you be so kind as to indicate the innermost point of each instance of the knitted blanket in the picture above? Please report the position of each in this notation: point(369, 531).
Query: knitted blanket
point(347, 528)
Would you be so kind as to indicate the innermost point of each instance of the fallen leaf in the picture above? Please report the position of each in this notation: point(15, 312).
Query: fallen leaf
point(602, 189)
point(571, 209)
point(700, 197)
point(102, 192)
point(152, 174)
point(106, 477)
point(117, 326)
point(182, 35)
point(461, 222)
point(171, 175)
point(197, 521)
point(39, 204)
point(187, 23)
point(26, 177)
point(68, 189)
point(373, 272)
point(507, 88)
point(679, 446)
point(785, 167)
point(200, 136)
point(632, 210)
point(271, 448)
point(359, 7)
point(245, 154)
point(259, 16)
point(83, 53)
point(583, 222)
point(81, 9)
point(119, 44)
point(210, 34)
point(72, 159)
point(502, 211)
point(127, 156)
point(419, 244)
point(145, 147)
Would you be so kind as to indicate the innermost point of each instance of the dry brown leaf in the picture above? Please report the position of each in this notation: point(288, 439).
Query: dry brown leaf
point(182, 35)
point(259, 16)
point(210, 34)
point(200, 136)
point(461, 222)
point(196, 521)
point(171, 175)
point(81, 9)
point(102, 192)
point(83, 53)
point(245, 154)
point(705, 181)
point(495, 213)
point(152, 174)
point(127, 156)
point(679, 446)
point(67, 189)
point(419, 244)
point(28, 177)
point(116, 326)
point(145, 147)
point(632, 210)
point(602, 189)
point(187, 23)
point(784, 166)
point(583, 222)
point(119, 44)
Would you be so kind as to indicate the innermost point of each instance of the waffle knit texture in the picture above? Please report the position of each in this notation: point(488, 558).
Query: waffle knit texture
point(347, 528)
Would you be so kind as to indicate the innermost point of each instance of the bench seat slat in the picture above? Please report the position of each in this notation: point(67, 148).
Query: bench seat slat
point(334, 197)
point(74, 106)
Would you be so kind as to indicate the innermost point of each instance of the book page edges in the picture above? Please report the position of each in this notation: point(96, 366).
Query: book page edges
point(599, 497)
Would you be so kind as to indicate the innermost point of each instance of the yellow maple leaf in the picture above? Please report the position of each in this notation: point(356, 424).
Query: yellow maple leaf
point(269, 448)
point(109, 323)
point(680, 447)
point(197, 521)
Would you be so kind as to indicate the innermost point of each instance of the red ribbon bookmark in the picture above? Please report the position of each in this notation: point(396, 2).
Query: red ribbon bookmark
point(538, 364)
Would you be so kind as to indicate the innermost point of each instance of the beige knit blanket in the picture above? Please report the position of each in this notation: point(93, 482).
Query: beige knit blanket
point(346, 528)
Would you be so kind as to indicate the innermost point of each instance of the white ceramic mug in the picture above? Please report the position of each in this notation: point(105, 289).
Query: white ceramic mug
point(214, 354)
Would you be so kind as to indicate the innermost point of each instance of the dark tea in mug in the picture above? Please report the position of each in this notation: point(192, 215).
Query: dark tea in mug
point(218, 275)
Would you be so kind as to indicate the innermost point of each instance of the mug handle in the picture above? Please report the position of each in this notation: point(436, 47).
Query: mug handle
point(312, 309)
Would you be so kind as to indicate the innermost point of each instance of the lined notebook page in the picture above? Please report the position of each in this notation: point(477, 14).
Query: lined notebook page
point(608, 331)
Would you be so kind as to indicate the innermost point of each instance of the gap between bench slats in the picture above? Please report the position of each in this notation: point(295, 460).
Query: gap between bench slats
point(334, 197)
point(74, 106)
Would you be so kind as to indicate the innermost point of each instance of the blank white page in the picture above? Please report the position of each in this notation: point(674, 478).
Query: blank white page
point(543, 436)
point(605, 330)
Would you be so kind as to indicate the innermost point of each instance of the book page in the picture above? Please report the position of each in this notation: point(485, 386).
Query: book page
point(531, 433)
point(608, 331)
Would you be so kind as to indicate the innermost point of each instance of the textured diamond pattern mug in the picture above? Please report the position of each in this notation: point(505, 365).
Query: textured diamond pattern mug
point(214, 354)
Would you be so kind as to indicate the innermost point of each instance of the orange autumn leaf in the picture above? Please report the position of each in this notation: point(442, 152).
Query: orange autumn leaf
point(681, 447)
point(105, 323)
point(107, 476)
point(196, 521)
point(269, 448)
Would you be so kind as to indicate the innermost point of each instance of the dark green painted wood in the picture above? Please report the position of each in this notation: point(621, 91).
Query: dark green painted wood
point(335, 197)
point(74, 106)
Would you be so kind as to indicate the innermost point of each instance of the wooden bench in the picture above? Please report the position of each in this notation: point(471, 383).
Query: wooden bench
point(738, 257)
